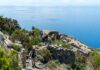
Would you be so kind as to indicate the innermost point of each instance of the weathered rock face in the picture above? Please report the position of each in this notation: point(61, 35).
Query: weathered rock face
point(64, 56)
point(18, 43)
point(2, 38)
point(51, 32)
point(76, 44)
point(8, 43)
point(5, 42)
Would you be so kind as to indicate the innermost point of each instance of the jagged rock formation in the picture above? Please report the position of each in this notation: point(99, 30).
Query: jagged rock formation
point(63, 55)
point(5, 42)
point(2, 39)
point(51, 32)
point(77, 45)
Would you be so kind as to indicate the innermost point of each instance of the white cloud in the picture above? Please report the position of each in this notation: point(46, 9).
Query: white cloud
point(50, 2)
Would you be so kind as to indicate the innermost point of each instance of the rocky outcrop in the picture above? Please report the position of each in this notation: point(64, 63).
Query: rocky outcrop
point(2, 39)
point(63, 55)
point(5, 42)
point(18, 43)
point(76, 44)
point(51, 33)
point(8, 42)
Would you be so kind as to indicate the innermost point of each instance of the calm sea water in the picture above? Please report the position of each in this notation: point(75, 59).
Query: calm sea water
point(80, 22)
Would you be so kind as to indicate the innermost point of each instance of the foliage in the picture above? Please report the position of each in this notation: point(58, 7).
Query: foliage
point(8, 25)
point(79, 66)
point(80, 58)
point(21, 36)
point(94, 59)
point(54, 64)
point(16, 47)
point(45, 53)
point(37, 31)
point(68, 66)
point(8, 60)
point(25, 31)
point(36, 39)
point(40, 58)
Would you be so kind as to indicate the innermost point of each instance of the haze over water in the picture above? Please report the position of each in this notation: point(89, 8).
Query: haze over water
point(80, 22)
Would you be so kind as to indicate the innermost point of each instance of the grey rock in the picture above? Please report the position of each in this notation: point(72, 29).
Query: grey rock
point(63, 55)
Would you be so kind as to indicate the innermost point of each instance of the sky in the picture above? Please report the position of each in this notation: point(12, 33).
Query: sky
point(49, 2)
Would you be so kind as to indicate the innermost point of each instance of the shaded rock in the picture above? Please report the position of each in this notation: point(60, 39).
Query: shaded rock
point(63, 55)
point(2, 38)
point(2, 41)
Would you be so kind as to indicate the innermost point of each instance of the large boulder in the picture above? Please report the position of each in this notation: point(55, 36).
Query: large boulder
point(63, 55)
point(4, 41)
point(18, 43)
point(2, 38)
point(8, 43)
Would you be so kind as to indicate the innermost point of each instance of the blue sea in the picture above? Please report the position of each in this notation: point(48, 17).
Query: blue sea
point(81, 22)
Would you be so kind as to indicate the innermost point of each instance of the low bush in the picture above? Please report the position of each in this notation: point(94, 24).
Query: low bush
point(8, 25)
point(9, 60)
point(34, 41)
point(21, 36)
point(45, 53)
point(16, 47)
point(54, 64)
point(94, 60)
point(40, 58)
point(79, 66)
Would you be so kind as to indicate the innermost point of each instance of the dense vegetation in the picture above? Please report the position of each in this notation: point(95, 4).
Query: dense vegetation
point(94, 60)
point(7, 25)
point(9, 60)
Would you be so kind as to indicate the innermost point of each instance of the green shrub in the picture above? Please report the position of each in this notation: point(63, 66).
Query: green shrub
point(54, 64)
point(9, 60)
point(37, 31)
point(94, 60)
point(21, 36)
point(45, 53)
point(16, 47)
point(40, 58)
point(25, 31)
point(8, 25)
point(68, 66)
point(34, 41)
point(79, 66)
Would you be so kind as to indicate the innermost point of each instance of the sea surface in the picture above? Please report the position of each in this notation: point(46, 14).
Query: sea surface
point(81, 22)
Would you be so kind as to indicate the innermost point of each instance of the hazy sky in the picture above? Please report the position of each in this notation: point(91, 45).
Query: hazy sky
point(50, 2)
